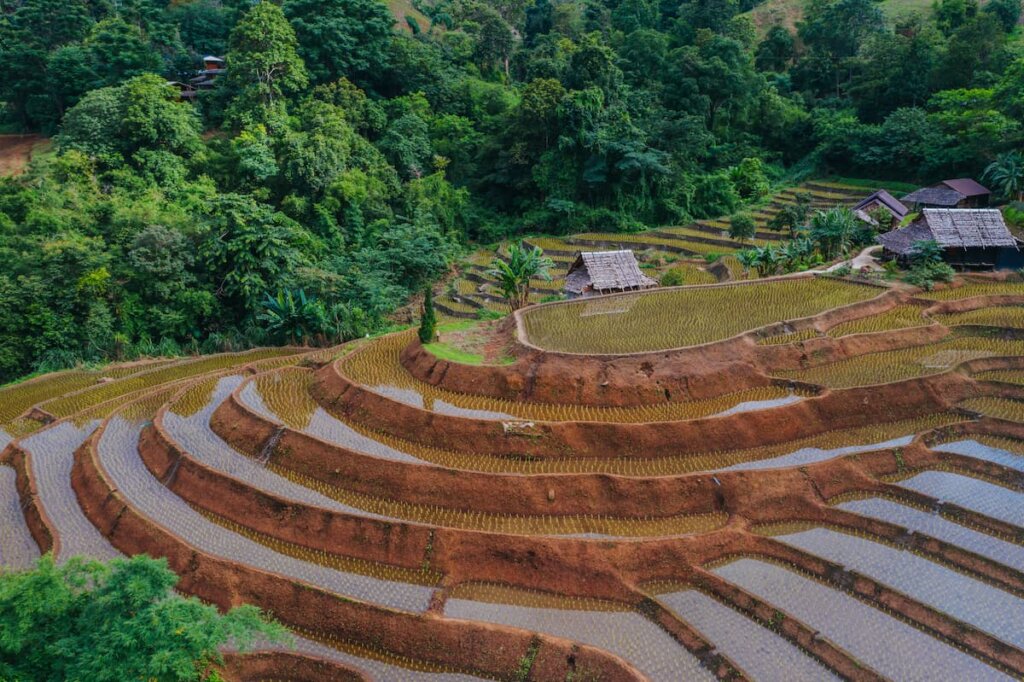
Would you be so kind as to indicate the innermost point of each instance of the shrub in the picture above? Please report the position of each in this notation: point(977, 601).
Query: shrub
point(673, 278)
point(742, 227)
point(926, 275)
point(428, 319)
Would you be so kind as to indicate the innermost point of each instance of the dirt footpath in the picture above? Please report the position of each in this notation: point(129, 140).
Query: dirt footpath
point(16, 151)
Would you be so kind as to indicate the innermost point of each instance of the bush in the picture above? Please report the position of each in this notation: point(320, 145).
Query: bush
point(742, 227)
point(673, 278)
point(428, 319)
point(926, 275)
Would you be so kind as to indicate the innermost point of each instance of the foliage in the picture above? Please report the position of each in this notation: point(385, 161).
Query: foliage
point(742, 227)
point(514, 275)
point(347, 158)
point(1006, 173)
point(428, 317)
point(85, 620)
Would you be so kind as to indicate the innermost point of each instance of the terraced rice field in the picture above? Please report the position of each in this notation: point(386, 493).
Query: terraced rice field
point(675, 318)
point(689, 248)
point(727, 511)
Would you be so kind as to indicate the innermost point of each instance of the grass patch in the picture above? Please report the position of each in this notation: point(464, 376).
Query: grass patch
point(892, 186)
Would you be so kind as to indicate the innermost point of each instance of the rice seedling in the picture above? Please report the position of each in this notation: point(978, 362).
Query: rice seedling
point(888, 645)
point(899, 317)
point(906, 363)
point(1008, 317)
point(1008, 376)
point(611, 627)
point(17, 548)
point(982, 605)
point(76, 402)
point(933, 525)
point(791, 337)
point(379, 368)
point(984, 497)
point(674, 318)
point(752, 645)
point(1007, 452)
point(1000, 408)
point(974, 288)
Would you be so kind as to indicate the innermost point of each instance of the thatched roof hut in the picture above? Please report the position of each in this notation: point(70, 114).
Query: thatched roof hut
point(969, 236)
point(605, 272)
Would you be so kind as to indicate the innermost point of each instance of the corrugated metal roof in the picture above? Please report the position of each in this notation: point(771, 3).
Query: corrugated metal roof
point(606, 271)
point(883, 198)
point(966, 186)
point(934, 196)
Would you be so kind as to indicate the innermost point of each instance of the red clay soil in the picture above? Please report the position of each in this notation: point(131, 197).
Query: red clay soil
point(761, 497)
point(16, 152)
point(831, 410)
point(693, 373)
point(36, 518)
point(489, 649)
point(285, 666)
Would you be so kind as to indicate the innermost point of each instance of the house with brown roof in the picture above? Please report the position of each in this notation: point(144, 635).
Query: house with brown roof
point(593, 273)
point(956, 193)
point(971, 238)
point(878, 202)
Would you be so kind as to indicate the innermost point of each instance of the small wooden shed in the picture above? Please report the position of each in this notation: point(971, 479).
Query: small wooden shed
point(605, 272)
point(971, 238)
point(956, 193)
point(881, 201)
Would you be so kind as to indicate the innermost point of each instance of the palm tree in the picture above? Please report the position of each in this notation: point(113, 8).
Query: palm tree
point(747, 259)
point(1007, 174)
point(833, 230)
point(514, 274)
point(293, 316)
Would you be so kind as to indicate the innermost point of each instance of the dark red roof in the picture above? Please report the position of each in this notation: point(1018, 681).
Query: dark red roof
point(967, 187)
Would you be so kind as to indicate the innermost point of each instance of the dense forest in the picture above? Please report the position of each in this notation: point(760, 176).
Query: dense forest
point(344, 159)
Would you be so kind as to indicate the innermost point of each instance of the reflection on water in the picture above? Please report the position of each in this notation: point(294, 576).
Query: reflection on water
point(17, 548)
point(936, 526)
point(985, 498)
point(626, 633)
point(891, 647)
point(758, 651)
point(811, 455)
point(984, 606)
point(977, 450)
point(52, 454)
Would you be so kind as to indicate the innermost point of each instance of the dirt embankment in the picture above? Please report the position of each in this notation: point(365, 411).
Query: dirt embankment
point(16, 151)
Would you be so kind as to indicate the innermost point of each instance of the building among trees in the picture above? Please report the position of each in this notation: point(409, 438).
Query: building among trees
point(605, 272)
point(958, 193)
point(975, 238)
point(878, 202)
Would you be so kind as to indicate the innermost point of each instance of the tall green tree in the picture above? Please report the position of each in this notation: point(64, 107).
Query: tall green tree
point(263, 63)
point(514, 274)
point(85, 620)
point(342, 38)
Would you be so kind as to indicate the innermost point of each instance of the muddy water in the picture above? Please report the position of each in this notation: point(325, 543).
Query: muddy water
point(119, 453)
point(940, 528)
point(811, 455)
point(985, 498)
point(988, 608)
point(377, 667)
point(51, 453)
point(972, 448)
point(889, 646)
point(761, 653)
point(17, 548)
point(625, 633)
point(326, 427)
point(5, 438)
point(194, 434)
point(753, 405)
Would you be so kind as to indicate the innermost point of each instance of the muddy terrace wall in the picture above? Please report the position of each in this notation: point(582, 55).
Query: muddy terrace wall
point(39, 525)
point(693, 373)
point(488, 649)
point(279, 665)
point(833, 409)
